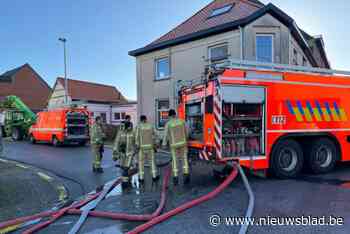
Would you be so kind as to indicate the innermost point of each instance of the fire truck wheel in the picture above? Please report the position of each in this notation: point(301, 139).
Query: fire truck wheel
point(32, 139)
point(323, 156)
point(16, 134)
point(55, 141)
point(287, 159)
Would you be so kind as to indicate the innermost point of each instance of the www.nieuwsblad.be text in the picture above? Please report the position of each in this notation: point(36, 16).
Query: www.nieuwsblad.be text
point(216, 220)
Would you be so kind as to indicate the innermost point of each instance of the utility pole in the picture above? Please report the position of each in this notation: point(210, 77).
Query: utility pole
point(64, 40)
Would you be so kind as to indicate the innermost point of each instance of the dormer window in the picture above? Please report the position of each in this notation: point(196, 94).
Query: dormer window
point(221, 10)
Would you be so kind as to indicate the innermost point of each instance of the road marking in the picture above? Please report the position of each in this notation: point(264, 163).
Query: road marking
point(21, 165)
point(45, 177)
point(62, 193)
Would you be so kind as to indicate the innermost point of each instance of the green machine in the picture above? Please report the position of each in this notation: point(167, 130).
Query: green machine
point(17, 118)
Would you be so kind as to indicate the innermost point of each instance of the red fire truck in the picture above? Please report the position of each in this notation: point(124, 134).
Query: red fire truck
point(269, 116)
point(59, 126)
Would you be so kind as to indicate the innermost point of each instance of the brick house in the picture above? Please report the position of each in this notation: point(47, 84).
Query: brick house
point(28, 85)
point(224, 29)
point(101, 100)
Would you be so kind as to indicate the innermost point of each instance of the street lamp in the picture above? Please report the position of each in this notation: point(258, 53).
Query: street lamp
point(64, 40)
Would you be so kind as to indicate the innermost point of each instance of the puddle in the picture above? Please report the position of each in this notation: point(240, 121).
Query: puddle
point(333, 182)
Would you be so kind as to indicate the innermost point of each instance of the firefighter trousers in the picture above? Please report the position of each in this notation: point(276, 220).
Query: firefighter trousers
point(125, 164)
point(125, 160)
point(1, 147)
point(151, 158)
point(176, 153)
point(97, 155)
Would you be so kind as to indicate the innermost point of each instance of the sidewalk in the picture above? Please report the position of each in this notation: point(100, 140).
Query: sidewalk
point(25, 190)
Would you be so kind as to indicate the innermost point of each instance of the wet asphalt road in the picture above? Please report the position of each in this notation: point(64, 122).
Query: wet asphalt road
point(72, 163)
point(314, 195)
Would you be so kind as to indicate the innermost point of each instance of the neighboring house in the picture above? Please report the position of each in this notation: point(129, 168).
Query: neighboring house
point(224, 29)
point(28, 85)
point(101, 100)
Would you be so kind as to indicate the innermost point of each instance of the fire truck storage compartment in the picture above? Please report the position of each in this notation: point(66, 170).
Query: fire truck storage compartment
point(243, 121)
point(77, 123)
point(194, 119)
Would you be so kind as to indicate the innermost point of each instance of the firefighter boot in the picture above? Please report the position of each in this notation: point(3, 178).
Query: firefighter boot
point(155, 179)
point(125, 178)
point(175, 181)
point(187, 178)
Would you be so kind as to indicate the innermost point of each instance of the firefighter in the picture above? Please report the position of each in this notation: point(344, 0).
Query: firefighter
point(116, 154)
point(97, 141)
point(175, 133)
point(145, 143)
point(124, 148)
point(1, 144)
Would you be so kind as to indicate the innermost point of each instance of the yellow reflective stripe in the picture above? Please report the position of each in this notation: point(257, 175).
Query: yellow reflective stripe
point(327, 117)
point(308, 115)
point(317, 115)
point(298, 115)
point(335, 115)
point(343, 115)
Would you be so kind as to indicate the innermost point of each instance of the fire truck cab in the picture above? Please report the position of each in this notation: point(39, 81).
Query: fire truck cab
point(268, 116)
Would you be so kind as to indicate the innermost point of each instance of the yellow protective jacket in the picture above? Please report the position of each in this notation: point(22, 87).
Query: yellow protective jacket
point(124, 142)
point(97, 135)
point(175, 132)
point(145, 136)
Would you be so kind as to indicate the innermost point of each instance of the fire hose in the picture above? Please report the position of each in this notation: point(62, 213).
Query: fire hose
point(63, 211)
point(186, 206)
point(74, 209)
point(152, 219)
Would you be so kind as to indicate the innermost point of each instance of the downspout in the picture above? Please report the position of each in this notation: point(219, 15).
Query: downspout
point(241, 42)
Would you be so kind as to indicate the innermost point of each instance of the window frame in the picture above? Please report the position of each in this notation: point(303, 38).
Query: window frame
point(217, 46)
point(103, 116)
point(156, 67)
point(305, 62)
point(157, 119)
point(117, 113)
point(272, 45)
point(229, 8)
point(295, 57)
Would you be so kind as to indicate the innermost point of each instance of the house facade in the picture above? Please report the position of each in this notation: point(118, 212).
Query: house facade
point(224, 29)
point(101, 100)
point(25, 83)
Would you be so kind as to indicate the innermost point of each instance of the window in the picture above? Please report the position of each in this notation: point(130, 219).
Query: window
point(304, 62)
point(162, 107)
point(218, 52)
point(162, 68)
point(264, 48)
point(117, 116)
point(104, 117)
point(295, 57)
point(221, 10)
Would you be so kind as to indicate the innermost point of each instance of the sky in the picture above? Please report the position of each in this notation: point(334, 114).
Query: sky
point(100, 33)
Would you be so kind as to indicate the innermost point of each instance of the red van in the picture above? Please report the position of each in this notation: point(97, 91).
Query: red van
point(61, 126)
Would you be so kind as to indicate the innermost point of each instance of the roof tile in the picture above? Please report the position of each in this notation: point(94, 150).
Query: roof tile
point(202, 20)
point(84, 90)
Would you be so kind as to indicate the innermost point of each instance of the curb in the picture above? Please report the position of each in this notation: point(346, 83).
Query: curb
point(46, 176)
